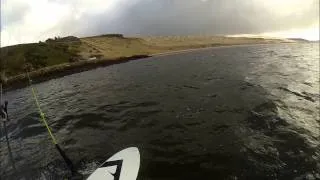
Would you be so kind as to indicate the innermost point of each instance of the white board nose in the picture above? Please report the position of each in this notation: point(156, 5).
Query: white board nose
point(124, 165)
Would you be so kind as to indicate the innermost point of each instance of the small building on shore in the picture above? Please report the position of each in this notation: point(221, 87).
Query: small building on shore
point(92, 58)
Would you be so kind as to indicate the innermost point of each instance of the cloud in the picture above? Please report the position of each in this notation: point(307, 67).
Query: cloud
point(212, 17)
point(13, 11)
point(48, 18)
point(44, 18)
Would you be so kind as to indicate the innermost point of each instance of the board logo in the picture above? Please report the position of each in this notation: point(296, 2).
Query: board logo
point(117, 171)
point(124, 165)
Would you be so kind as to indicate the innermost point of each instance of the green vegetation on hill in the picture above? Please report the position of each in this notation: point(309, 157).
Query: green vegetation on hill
point(14, 59)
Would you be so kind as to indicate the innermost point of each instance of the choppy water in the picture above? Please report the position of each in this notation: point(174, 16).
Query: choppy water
point(247, 112)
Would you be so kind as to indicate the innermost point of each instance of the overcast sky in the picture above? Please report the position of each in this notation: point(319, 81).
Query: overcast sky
point(33, 20)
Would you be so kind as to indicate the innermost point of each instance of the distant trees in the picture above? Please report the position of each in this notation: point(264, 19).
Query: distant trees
point(42, 43)
point(55, 39)
point(63, 39)
point(49, 40)
point(113, 35)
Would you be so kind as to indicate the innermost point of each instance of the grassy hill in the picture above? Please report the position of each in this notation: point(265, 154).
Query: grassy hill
point(112, 47)
point(62, 53)
point(15, 59)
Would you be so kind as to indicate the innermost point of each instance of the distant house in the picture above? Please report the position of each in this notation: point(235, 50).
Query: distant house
point(92, 58)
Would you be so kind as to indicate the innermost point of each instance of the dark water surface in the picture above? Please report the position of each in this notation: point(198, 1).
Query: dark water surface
point(246, 112)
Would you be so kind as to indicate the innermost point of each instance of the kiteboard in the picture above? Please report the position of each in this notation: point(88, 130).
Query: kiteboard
point(124, 165)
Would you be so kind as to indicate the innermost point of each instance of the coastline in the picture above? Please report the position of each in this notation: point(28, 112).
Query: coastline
point(60, 70)
point(211, 47)
point(57, 71)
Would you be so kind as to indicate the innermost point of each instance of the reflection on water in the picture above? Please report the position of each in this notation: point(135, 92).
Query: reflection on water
point(247, 112)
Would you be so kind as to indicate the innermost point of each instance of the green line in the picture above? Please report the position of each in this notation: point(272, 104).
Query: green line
point(42, 116)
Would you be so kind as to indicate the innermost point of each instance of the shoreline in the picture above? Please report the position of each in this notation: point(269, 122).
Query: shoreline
point(210, 47)
point(57, 71)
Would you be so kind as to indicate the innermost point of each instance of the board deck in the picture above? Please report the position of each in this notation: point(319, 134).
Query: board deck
point(124, 165)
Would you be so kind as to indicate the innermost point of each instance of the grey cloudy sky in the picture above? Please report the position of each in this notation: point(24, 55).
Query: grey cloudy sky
point(30, 21)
